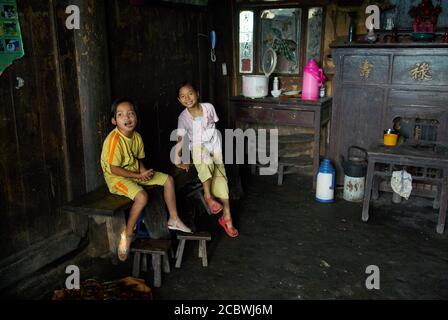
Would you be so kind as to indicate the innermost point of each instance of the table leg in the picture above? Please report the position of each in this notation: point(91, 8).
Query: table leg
point(280, 173)
point(443, 203)
point(375, 186)
point(436, 202)
point(368, 190)
point(316, 147)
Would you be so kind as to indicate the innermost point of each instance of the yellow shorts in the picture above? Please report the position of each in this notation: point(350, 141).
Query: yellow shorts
point(130, 187)
point(211, 166)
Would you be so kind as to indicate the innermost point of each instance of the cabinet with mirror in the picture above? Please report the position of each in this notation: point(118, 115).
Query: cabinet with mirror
point(295, 31)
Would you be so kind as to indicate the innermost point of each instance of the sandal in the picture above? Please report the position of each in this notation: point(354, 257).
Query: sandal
point(214, 206)
point(179, 225)
point(124, 246)
point(231, 231)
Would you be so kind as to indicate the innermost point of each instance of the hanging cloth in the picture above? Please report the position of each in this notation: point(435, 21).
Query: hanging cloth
point(401, 183)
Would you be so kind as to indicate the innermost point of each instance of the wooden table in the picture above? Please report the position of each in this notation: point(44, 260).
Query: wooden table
point(286, 111)
point(409, 155)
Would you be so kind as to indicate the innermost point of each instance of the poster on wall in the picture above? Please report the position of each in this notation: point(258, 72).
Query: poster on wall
point(11, 45)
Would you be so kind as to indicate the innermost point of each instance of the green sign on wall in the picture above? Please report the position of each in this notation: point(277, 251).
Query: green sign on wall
point(11, 45)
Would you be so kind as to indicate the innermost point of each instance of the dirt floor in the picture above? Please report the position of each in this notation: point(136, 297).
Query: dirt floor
point(291, 247)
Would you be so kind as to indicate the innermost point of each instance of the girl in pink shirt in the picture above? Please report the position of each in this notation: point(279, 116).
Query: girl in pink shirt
point(198, 123)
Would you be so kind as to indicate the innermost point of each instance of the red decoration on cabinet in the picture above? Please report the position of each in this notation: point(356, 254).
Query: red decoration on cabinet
point(425, 16)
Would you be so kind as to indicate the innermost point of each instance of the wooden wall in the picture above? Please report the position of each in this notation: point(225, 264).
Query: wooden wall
point(51, 130)
point(153, 48)
point(53, 127)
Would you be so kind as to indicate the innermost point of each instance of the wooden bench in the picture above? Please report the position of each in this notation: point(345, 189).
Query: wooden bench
point(201, 237)
point(109, 209)
point(158, 249)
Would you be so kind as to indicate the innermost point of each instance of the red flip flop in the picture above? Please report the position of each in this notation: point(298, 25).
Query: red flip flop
point(215, 206)
point(231, 231)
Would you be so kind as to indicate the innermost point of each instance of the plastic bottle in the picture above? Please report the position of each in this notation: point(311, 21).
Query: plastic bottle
point(313, 78)
point(325, 182)
point(352, 27)
point(275, 84)
point(322, 92)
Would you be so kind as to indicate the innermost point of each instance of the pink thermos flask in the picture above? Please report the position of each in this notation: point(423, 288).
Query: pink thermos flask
point(313, 79)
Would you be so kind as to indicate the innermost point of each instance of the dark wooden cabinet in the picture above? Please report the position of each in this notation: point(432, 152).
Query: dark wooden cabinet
point(285, 111)
point(376, 85)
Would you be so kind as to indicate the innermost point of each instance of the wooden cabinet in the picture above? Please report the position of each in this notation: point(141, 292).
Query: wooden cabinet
point(375, 85)
point(285, 112)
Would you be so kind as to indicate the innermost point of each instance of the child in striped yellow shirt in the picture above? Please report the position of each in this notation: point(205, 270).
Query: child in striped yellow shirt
point(125, 173)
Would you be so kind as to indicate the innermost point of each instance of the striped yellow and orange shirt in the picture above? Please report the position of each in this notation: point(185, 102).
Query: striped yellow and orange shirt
point(121, 151)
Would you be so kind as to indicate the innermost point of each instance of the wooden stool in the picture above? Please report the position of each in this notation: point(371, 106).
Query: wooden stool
point(289, 159)
point(158, 250)
point(285, 163)
point(202, 238)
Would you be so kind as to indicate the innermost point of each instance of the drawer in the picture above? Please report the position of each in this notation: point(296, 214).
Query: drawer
point(425, 70)
point(366, 69)
point(425, 99)
point(254, 114)
point(300, 118)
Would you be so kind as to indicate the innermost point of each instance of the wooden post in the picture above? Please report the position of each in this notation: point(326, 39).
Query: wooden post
point(145, 262)
point(156, 265)
point(166, 263)
point(136, 265)
point(180, 252)
point(203, 249)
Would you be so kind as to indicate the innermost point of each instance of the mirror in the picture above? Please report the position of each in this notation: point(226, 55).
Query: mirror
point(280, 30)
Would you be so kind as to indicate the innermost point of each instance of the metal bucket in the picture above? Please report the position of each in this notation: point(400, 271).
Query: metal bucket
point(355, 169)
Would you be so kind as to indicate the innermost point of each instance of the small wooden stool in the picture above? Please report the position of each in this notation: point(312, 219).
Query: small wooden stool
point(158, 250)
point(202, 238)
point(289, 148)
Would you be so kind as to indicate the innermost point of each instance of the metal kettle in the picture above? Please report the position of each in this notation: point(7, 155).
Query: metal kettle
point(355, 166)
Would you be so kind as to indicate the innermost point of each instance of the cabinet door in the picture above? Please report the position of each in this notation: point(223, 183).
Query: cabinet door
point(360, 111)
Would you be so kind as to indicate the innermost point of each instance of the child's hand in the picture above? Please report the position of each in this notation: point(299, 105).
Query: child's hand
point(184, 166)
point(147, 175)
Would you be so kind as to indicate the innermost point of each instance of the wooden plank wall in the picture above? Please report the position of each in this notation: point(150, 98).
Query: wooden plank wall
point(51, 130)
point(94, 85)
point(153, 48)
point(32, 160)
